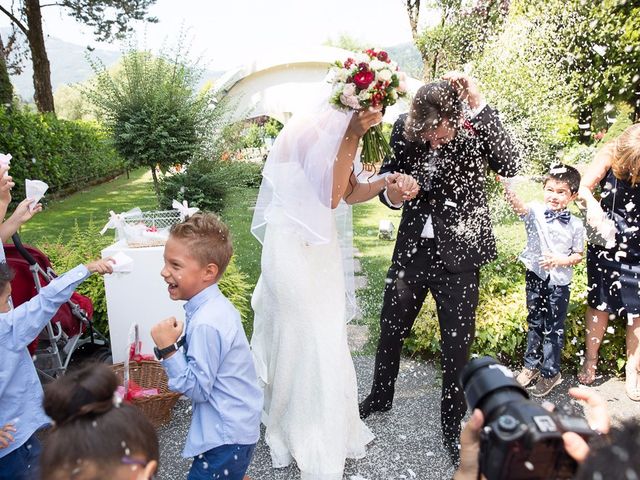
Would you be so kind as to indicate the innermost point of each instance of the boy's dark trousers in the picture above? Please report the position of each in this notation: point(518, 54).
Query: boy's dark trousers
point(547, 306)
point(226, 462)
point(23, 463)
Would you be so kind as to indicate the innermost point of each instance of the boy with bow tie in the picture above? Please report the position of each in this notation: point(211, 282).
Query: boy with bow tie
point(555, 242)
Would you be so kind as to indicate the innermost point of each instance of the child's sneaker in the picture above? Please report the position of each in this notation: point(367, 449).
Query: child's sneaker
point(526, 376)
point(545, 385)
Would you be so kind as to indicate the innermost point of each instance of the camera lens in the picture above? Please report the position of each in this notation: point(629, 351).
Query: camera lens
point(488, 385)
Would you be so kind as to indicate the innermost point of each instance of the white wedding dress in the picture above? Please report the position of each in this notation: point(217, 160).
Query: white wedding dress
point(299, 337)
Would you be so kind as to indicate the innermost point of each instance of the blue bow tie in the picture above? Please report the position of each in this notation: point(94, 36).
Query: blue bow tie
point(560, 215)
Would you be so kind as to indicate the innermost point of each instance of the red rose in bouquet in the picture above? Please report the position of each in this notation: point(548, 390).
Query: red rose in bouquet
point(363, 79)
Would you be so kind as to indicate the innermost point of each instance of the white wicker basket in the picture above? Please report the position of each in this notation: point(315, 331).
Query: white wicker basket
point(158, 221)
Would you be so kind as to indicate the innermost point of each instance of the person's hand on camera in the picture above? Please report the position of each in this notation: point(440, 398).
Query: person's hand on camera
point(466, 87)
point(363, 120)
point(102, 266)
point(470, 448)
point(597, 416)
point(5, 435)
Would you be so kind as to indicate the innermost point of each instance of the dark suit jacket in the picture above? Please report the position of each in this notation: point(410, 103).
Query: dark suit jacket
point(452, 180)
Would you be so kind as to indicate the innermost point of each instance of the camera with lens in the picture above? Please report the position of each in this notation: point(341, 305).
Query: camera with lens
point(520, 439)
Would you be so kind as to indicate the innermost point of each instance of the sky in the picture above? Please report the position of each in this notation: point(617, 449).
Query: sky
point(227, 34)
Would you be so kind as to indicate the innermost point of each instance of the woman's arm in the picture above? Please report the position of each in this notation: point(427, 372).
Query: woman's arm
point(595, 172)
point(343, 169)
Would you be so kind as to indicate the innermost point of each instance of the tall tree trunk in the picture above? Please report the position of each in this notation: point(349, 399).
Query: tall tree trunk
point(156, 183)
point(43, 95)
point(6, 89)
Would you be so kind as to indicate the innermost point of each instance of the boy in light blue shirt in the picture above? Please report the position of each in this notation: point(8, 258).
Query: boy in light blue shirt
point(211, 364)
point(21, 412)
point(555, 243)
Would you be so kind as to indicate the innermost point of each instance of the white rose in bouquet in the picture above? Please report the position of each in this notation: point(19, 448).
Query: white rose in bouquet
point(385, 75)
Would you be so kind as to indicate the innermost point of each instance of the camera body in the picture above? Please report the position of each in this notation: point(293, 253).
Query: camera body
point(520, 439)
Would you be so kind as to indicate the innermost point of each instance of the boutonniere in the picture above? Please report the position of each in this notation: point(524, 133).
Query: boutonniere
point(468, 130)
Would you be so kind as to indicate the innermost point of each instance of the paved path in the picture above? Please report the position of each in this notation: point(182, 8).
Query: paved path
point(407, 443)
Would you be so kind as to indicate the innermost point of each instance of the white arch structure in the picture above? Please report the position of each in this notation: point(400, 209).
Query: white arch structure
point(282, 83)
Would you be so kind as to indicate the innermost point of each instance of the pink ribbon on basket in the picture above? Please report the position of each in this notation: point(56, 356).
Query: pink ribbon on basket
point(131, 389)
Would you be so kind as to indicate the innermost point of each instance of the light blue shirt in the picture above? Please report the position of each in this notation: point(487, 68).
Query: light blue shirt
point(20, 390)
point(555, 237)
point(215, 370)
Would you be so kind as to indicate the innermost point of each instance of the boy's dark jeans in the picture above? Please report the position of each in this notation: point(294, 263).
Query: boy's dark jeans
point(23, 463)
point(547, 306)
point(226, 462)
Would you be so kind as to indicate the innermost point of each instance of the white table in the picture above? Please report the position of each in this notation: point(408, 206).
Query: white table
point(140, 296)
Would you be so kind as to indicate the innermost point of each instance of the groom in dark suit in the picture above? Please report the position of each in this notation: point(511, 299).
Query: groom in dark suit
point(444, 236)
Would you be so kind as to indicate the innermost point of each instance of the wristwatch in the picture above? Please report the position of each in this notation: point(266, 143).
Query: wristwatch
point(160, 353)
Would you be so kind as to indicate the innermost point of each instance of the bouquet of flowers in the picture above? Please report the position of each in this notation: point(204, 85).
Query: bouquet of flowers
point(369, 79)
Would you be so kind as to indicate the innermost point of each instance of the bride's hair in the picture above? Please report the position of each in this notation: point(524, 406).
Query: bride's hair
point(93, 435)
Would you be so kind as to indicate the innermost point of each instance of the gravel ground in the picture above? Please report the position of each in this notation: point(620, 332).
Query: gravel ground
point(407, 443)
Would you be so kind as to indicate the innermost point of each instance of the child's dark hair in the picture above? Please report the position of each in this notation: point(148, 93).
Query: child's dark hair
point(614, 455)
point(92, 433)
point(6, 275)
point(208, 238)
point(564, 173)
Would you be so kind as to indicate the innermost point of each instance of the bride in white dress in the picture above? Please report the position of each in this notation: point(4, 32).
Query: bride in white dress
point(305, 294)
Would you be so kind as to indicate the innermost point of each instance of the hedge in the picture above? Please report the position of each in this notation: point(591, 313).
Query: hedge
point(501, 319)
point(67, 155)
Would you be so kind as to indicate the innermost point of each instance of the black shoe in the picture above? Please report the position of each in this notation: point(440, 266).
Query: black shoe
point(370, 405)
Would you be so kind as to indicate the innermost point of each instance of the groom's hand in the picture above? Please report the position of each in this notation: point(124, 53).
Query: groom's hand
point(401, 187)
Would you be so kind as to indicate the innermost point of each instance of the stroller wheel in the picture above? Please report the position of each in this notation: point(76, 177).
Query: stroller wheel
point(102, 355)
point(91, 353)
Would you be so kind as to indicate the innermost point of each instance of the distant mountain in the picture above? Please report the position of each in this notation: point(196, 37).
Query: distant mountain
point(69, 65)
point(408, 58)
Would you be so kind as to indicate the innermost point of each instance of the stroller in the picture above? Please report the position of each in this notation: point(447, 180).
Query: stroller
point(70, 330)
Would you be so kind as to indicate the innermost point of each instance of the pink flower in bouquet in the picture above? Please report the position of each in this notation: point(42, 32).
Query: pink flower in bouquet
point(350, 101)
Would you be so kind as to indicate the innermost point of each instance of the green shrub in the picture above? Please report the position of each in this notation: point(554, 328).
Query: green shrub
point(501, 320)
point(235, 286)
point(203, 190)
point(84, 245)
point(204, 184)
point(153, 109)
point(67, 155)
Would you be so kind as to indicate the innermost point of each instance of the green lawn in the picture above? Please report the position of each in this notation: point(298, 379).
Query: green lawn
point(120, 194)
point(237, 214)
point(123, 194)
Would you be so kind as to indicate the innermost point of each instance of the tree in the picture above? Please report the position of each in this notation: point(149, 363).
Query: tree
point(6, 89)
point(459, 36)
point(153, 111)
point(596, 45)
point(109, 18)
point(526, 86)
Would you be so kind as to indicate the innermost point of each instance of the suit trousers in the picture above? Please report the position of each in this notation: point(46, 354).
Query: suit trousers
point(456, 298)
